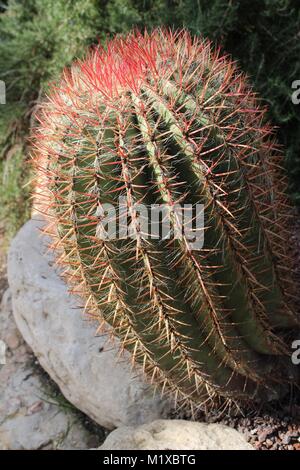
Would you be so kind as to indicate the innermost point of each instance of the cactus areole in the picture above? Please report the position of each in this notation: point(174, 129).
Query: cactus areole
point(164, 118)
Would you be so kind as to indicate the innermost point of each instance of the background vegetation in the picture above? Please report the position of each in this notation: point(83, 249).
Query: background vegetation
point(39, 37)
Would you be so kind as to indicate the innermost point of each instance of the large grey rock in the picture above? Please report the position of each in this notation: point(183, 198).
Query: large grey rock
point(31, 417)
point(176, 435)
point(84, 366)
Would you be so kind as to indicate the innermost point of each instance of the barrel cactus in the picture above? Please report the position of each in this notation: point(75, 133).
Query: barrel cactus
point(164, 118)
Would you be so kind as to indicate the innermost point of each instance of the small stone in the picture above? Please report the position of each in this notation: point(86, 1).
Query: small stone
point(286, 439)
point(12, 341)
point(269, 443)
point(35, 408)
point(262, 436)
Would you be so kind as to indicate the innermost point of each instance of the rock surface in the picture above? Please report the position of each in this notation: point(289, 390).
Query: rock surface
point(176, 435)
point(29, 416)
point(84, 366)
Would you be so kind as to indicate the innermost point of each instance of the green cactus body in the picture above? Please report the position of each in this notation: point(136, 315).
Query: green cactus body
point(162, 119)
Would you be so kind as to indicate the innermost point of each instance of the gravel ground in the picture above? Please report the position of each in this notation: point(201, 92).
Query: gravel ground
point(276, 426)
point(279, 430)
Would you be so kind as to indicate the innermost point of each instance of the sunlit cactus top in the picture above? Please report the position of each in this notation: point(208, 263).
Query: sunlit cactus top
point(164, 118)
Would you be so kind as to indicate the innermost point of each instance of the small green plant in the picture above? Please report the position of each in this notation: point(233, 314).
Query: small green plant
point(163, 118)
